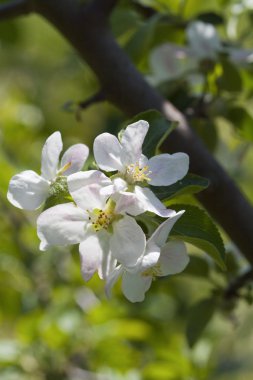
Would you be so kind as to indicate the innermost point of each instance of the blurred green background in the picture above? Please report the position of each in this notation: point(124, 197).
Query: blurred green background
point(53, 325)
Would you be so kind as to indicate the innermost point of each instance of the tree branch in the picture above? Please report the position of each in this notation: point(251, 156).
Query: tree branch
point(14, 9)
point(124, 86)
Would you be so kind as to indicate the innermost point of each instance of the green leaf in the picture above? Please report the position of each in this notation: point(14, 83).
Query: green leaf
point(242, 121)
point(230, 80)
point(211, 18)
point(197, 267)
point(197, 228)
point(190, 184)
point(139, 45)
point(199, 316)
point(207, 131)
point(159, 129)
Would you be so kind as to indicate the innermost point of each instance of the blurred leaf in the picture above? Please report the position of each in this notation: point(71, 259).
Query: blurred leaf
point(9, 33)
point(197, 267)
point(211, 18)
point(190, 184)
point(197, 228)
point(159, 129)
point(199, 316)
point(206, 131)
point(242, 121)
point(138, 46)
point(123, 20)
point(230, 80)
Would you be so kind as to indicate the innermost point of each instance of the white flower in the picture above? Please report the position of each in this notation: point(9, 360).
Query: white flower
point(104, 234)
point(134, 169)
point(203, 40)
point(28, 190)
point(160, 259)
point(169, 61)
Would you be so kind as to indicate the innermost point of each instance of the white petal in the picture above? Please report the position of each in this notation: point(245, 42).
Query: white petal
point(161, 234)
point(108, 263)
point(150, 258)
point(85, 188)
point(167, 169)
point(127, 202)
point(173, 258)
point(149, 202)
point(134, 286)
point(64, 224)
point(27, 190)
point(118, 184)
point(50, 156)
point(132, 140)
point(127, 241)
point(108, 152)
point(91, 251)
point(74, 158)
point(112, 278)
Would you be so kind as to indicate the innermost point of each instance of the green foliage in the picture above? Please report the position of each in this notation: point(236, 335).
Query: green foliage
point(229, 71)
point(190, 184)
point(242, 121)
point(53, 325)
point(197, 228)
point(139, 44)
point(199, 316)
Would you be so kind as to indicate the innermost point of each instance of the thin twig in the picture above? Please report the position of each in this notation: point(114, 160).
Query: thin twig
point(72, 106)
point(239, 282)
point(14, 9)
point(96, 98)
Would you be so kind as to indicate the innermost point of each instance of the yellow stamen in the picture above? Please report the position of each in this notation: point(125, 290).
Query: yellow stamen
point(134, 173)
point(102, 219)
point(64, 168)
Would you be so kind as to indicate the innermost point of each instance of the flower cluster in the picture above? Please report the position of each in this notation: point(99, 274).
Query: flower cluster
point(102, 213)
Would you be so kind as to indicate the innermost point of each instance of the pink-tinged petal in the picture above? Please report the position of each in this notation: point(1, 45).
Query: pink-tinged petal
point(85, 188)
point(111, 280)
point(108, 152)
point(127, 242)
point(167, 169)
point(27, 190)
point(50, 156)
point(149, 202)
point(64, 224)
point(74, 158)
point(161, 234)
point(132, 140)
point(134, 286)
point(173, 258)
point(127, 202)
point(92, 250)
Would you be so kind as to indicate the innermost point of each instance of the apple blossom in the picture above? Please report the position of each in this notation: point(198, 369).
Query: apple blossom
point(28, 190)
point(203, 40)
point(135, 171)
point(105, 235)
point(159, 259)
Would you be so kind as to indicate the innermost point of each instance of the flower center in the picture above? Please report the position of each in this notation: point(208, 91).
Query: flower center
point(153, 271)
point(102, 219)
point(134, 173)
